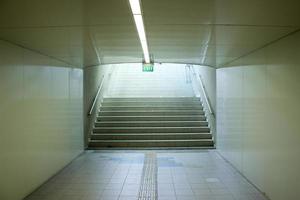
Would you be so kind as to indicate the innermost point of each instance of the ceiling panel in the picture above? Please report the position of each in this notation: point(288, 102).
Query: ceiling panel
point(37, 13)
point(184, 43)
point(62, 43)
point(65, 29)
point(234, 12)
point(89, 32)
point(236, 41)
point(45, 13)
point(249, 35)
point(107, 12)
point(117, 43)
point(178, 11)
point(231, 28)
point(258, 12)
point(182, 34)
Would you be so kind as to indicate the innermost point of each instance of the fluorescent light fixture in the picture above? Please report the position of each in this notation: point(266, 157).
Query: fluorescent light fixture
point(138, 19)
point(146, 51)
point(140, 26)
point(135, 7)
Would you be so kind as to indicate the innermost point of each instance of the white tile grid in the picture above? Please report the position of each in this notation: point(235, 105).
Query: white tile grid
point(93, 178)
point(194, 176)
point(212, 179)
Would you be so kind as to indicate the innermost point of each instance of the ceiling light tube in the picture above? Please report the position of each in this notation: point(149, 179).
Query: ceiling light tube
point(140, 26)
point(135, 7)
point(138, 19)
point(145, 51)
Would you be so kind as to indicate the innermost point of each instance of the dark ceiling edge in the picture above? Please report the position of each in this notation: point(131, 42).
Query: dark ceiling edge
point(41, 53)
point(180, 63)
point(259, 48)
point(151, 24)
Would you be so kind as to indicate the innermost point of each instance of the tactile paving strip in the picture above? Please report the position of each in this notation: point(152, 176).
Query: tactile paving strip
point(148, 188)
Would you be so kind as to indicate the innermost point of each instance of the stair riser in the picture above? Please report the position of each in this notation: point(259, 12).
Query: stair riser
point(151, 137)
point(151, 113)
point(155, 108)
point(151, 103)
point(151, 124)
point(152, 144)
point(154, 118)
point(153, 130)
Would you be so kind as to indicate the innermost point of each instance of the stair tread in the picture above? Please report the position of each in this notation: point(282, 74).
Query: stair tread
point(174, 118)
point(151, 121)
point(146, 108)
point(149, 133)
point(152, 110)
point(131, 122)
point(155, 106)
point(147, 98)
point(115, 141)
point(166, 116)
point(151, 127)
point(156, 102)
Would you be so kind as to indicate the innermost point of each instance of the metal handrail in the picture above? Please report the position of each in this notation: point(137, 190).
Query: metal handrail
point(210, 114)
point(205, 97)
point(96, 97)
point(211, 111)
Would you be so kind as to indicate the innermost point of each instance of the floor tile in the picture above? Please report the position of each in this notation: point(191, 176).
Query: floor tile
point(117, 175)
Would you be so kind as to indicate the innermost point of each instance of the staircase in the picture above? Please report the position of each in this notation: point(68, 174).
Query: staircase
point(151, 122)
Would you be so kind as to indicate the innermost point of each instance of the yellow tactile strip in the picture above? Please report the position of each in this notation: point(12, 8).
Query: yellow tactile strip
point(148, 188)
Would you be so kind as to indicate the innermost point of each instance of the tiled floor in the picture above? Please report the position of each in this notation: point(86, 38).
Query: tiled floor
point(116, 175)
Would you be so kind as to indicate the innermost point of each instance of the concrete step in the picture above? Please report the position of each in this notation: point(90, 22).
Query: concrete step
point(152, 124)
point(149, 103)
point(152, 118)
point(152, 113)
point(145, 108)
point(151, 143)
point(136, 91)
point(153, 99)
point(151, 136)
point(151, 130)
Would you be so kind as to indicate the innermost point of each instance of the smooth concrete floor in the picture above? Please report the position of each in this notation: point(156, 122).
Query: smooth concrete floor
point(116, 175)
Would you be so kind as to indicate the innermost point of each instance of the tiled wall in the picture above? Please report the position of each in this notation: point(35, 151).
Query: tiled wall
point(41, 125)
point(258, 117)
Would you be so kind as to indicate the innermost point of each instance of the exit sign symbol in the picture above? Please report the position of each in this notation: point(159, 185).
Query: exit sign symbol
point(148, 67)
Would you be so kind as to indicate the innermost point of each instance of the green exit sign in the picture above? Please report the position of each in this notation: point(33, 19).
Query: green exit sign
point(148, 67)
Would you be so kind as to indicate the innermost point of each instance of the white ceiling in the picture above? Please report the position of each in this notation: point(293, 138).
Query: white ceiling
point(90, 32)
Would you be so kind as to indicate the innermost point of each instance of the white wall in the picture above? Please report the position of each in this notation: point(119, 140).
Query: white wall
point(41, 125)
point(258, 111)
point(167, 80)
